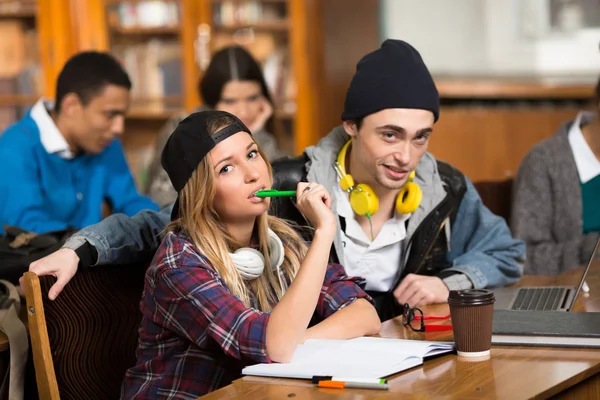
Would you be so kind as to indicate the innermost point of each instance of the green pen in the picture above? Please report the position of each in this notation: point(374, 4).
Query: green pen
point(275, 193)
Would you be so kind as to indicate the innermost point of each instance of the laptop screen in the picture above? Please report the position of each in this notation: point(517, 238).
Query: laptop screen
point(585, 272)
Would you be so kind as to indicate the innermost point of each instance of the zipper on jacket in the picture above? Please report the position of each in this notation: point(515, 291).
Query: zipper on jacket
point(432, 243)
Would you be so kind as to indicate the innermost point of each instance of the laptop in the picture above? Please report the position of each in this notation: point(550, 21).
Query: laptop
point(549, 298)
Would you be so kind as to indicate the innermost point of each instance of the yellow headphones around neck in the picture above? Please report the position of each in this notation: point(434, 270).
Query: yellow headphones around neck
point(363, 199)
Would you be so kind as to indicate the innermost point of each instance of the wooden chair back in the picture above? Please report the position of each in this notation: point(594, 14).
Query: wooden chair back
point(87, 337)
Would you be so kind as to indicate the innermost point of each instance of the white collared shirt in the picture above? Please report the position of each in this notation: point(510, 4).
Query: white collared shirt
point(52, 139)
point(378, 260)
point(588, 166)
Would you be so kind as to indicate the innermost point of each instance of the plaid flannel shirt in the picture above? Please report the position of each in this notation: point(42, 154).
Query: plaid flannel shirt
point(195, 335)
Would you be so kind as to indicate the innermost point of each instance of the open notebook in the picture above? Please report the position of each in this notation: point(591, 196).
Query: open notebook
point(364, 357)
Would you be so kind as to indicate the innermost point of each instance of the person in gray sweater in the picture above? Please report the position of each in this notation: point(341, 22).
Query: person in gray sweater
point(233, 82)
point(556, 197)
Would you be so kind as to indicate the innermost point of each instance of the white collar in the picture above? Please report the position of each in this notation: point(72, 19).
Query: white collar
point(588, 166)
point(52, 139)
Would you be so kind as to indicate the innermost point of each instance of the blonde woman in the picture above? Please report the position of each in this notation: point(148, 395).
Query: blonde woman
point(231, 285)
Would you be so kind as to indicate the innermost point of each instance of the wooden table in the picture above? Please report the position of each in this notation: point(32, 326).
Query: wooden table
point(510, 373)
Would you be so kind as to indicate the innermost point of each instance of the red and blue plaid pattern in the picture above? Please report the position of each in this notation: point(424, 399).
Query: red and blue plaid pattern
point(195, 335)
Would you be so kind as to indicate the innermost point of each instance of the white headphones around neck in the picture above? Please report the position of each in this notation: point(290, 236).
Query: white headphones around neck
point(250, 263)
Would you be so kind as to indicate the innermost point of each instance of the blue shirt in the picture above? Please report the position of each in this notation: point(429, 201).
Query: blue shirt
point(43, 192)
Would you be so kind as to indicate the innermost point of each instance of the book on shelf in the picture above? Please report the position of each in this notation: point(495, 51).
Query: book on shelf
point(8, 7)
point(230, 13)
point(146, 14)
point(19, 69)
point(8, 113)
point(13, 47)
point(154, 68)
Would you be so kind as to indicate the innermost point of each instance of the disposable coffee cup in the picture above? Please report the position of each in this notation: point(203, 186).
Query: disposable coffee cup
point(472, 311)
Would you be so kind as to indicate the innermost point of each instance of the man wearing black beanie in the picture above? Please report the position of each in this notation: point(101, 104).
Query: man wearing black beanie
point(451, 240)
point(411, 248)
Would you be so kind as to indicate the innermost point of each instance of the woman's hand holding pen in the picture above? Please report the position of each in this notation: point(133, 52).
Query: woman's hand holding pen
point(314, 202)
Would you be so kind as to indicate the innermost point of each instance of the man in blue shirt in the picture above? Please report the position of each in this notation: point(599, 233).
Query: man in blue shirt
point(62, 161)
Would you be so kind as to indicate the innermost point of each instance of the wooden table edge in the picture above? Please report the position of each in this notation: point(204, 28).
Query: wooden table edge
point(569, 383)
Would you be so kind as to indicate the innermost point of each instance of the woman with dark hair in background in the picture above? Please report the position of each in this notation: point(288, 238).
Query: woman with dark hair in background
point(233, 82)
point(557, 192)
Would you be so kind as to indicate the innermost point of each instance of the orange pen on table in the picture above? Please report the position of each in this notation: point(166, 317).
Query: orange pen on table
point(349, 384)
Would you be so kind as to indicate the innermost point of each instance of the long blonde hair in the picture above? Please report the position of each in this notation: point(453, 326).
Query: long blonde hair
point(200, 222)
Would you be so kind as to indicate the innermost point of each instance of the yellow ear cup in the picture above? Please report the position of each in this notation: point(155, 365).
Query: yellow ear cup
point(409, 198)
point(364, 200)
point(346, 182)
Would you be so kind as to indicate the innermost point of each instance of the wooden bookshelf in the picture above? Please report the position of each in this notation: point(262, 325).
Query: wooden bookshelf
point(18, 9)
point(168, 101)
point(33, 50)
point(284, 114)
point(246, 1)
point(277, 26)
point(25, 14)
point(146, 31)
point(145, 114)
point(18, 99)
point(152, 47)
point(295, 28)
point(116, 2)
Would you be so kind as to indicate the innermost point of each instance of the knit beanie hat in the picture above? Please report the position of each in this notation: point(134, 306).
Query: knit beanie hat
point(393, 76)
